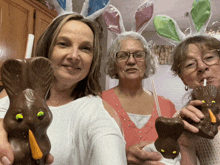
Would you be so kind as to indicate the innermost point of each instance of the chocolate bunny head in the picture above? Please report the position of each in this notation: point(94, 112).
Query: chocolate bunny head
point(208, 127)
point(27, 83)
point(168, 130)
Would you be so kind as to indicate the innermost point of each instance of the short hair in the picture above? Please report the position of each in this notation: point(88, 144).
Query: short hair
point(180, 52)
point(110, 67)
point(90, 84)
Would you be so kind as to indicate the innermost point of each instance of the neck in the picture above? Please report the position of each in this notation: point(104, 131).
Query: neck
point(130, 88)
point(60, 95)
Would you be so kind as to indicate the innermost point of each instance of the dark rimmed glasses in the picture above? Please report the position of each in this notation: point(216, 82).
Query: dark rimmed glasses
point(124, 56)
point(210, 57)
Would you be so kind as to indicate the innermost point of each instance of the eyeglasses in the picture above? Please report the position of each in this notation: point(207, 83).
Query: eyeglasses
point(124, 56)
point(210, 58)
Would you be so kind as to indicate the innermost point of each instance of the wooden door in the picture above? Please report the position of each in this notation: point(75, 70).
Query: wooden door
point(16, 23)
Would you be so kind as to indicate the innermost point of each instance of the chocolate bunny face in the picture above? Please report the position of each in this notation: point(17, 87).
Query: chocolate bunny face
point(208, 127)
point(28, 117)
point(168, 130)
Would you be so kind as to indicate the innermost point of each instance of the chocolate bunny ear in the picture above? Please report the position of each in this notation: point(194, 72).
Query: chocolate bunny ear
point(201, 93)
point(13, 78)
point(113, 20)
point(143, 15)
point(40, 75)
point(169, 127)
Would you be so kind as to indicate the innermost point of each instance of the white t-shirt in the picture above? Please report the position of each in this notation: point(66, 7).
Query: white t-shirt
point(83, 133)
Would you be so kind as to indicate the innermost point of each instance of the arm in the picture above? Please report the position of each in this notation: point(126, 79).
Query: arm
point(113, 114)
point(187, 143)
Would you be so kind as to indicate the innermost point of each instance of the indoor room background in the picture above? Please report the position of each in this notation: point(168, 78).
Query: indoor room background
point(33, 16)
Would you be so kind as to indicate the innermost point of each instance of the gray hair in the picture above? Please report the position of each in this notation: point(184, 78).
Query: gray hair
point(110, 67)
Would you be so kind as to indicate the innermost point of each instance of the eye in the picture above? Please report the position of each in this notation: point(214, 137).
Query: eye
point(62, 44)
point(87, 49)
point(40, 114)
point(19, 117)
point(203, 101)
point(174, 152)
point(191, 64)
point(162, 150)
point(213, 102)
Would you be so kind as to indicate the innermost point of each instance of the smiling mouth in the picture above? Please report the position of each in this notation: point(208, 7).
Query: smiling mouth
point(71, 67)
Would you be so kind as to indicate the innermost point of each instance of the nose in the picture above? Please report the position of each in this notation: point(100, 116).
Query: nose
point(202, 67)
point(73, 54)
point(131, 60)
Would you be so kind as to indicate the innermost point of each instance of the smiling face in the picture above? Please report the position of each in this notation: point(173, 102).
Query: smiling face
point(73, 52)
point(203, 71)
point(131, 69)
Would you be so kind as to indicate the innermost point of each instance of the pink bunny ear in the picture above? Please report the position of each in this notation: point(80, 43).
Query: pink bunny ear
point(113, 20)
point(142, 16)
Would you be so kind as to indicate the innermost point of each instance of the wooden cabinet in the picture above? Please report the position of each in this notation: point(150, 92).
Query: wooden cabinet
point(18, 18)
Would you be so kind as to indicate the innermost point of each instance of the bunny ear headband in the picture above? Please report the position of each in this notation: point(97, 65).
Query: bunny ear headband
point(113, 19)
point(199, 17)
point(91, 8)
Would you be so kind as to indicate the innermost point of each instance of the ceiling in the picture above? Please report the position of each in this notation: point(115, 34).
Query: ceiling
point(173, 8)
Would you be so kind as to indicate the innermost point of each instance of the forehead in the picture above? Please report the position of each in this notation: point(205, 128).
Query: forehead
point(194, 50)
point(131, 44)
point(77, 29)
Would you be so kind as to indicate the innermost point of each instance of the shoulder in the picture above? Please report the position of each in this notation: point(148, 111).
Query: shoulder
point(107, 92)
point(167, 106)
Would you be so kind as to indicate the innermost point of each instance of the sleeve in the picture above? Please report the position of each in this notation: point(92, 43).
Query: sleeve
point(4, 105)
point(106, 142)
point(109, 150)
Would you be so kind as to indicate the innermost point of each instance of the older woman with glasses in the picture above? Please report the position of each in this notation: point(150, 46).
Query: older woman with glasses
point(194, 60)
point(130, 60)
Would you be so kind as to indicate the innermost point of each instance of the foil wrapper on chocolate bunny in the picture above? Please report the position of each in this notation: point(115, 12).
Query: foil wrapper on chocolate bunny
point(208, 127)
point(27, 83)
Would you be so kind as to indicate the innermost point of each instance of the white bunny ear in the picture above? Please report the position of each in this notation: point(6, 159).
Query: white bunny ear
point(93, 8)
point(113, 20)
point(143, 15)
point(199, 16)
point(168, 29)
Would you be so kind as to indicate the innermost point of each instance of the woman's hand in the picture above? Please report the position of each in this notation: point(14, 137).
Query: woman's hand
point(137, 156)
point(193, 113)
point(6, 152)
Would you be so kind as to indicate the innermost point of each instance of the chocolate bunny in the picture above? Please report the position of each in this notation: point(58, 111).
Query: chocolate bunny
point(208, 127)
point(27, 83)
point(168, 130)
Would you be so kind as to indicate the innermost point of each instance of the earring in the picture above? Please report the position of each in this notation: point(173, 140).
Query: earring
point(186, 88)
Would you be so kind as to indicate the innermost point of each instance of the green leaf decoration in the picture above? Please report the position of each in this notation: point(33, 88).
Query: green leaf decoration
point(166, 27)
point(200, 12)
